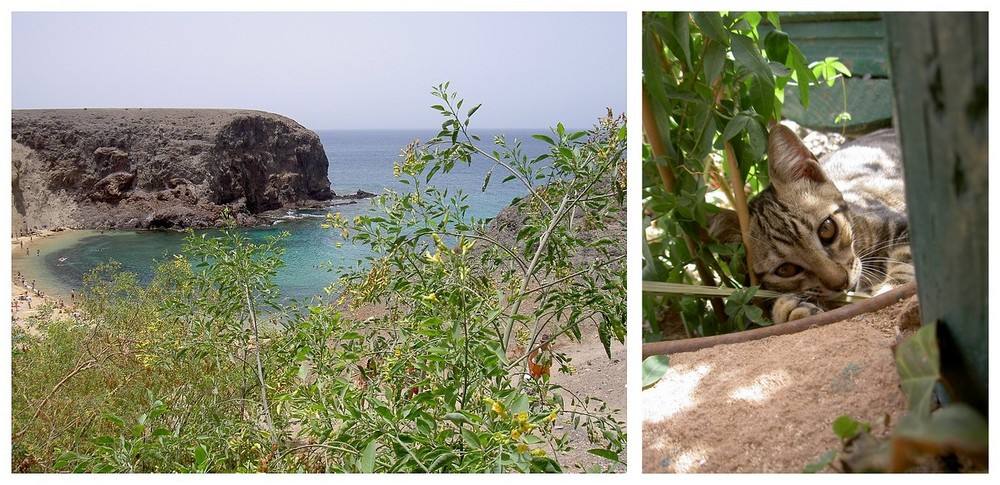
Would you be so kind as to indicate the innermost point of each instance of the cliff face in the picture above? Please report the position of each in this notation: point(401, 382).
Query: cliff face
point(159, 168)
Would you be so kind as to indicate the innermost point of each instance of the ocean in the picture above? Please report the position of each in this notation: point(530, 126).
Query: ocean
point(359, 160)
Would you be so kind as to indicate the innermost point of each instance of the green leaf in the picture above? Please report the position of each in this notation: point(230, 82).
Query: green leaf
point(776, 46)
point(711, 26)
point(918, 365)
point(366, 463)
point(677, 36)
point(521, 404)
point(486, 180)
point(441, 461)
point(473, 110)
point(954, 428)
point(200, 457)
point(610, 455)
point(458, 418)
point(653, 369)
point(747, 54)
point(714, 61)
point(735, 126)
point(384, 413)
point(774, 19)
point(758, 142)
point(845, 427)
point(104, 441)
point(823, 462)
point(64, 459)
point(544, 138)
point(115, 419)
point(471, 438)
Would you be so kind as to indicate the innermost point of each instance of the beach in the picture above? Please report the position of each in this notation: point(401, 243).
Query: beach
point(30, 278)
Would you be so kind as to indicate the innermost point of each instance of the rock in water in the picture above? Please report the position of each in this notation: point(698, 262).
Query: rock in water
point(159, 168)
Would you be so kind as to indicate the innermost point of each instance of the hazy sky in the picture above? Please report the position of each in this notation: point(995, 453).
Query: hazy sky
point(327, 70)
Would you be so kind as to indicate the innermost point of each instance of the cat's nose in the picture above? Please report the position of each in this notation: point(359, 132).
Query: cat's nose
point(838, 281)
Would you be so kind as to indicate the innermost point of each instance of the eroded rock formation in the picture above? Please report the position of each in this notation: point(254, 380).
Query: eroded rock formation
point(159, 168)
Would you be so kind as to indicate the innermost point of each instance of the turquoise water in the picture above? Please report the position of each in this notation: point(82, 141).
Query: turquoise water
point(359, 159)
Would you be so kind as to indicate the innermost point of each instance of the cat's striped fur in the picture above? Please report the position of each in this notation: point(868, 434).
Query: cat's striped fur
point(823, 227)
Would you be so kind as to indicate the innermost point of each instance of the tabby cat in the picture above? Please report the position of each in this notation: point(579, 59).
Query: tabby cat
point(823, 227)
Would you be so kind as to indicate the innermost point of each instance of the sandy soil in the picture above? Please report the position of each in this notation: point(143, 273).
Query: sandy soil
point(767, 406)
point(28, 283)
point(595, 376)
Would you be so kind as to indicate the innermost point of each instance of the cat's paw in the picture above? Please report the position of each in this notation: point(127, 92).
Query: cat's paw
point(788, 308)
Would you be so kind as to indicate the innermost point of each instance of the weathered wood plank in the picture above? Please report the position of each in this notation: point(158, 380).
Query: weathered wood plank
point(940, 76)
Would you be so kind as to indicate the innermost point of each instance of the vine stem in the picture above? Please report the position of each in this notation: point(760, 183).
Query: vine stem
point(825, 318)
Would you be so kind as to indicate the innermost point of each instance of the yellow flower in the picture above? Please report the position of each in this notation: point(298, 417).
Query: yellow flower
point(521, 417)
point(538, 452)
point(439, 243)
point(498, 408)
point(433, 258)
point(522, 448)
point(515, 434)
point(551, 417)
point(431, 297)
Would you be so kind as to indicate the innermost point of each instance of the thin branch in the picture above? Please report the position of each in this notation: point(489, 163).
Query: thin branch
point(742, 213)
point(260, 369)
point(825, 318)
point(80, 368)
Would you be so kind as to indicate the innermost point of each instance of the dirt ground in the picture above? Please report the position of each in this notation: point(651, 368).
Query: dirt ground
point(595, 376)
point(767, 406)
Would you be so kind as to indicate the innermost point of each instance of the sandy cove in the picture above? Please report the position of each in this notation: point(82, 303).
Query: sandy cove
point(23, 283)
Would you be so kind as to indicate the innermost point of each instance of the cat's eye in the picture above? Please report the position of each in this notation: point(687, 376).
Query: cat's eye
point(827, 231)
point(788, 270)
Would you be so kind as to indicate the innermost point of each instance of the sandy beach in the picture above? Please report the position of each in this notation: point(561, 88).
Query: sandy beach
point(29, 280)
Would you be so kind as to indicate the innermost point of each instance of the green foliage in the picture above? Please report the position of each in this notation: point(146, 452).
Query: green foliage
point(711, 85)
point(653, 369)
point(918, 363)
point(454, 292)
point(203, 370)
point(847, 428)
point(829, 70)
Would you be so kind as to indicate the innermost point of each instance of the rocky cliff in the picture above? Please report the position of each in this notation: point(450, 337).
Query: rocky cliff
point(159, 168)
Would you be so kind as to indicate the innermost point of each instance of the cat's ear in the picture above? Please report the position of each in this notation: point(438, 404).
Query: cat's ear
point(724, 226)
point(789, 160)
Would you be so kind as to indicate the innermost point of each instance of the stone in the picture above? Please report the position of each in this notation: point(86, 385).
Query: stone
point(148, 168)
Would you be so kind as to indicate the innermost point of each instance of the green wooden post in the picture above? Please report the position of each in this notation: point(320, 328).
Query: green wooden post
point(940, 78)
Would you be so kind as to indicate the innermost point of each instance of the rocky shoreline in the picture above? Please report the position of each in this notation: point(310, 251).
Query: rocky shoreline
point(161, 168)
